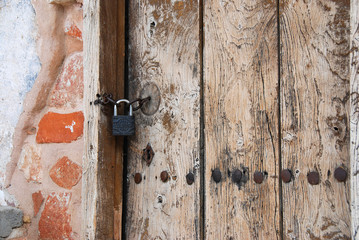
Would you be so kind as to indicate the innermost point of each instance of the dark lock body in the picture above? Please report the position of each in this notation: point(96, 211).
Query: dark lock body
point(123, 125)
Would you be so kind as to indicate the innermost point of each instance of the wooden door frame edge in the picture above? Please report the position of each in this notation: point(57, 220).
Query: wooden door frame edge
point(104, 72)
point(354, 120)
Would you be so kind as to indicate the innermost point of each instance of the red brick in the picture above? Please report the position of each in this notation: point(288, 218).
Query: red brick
point(69, 87)
point(73, 31)
point(66, 173)
point(60, 128)
point(30, 163)
point(37, 199)
point(55, 221)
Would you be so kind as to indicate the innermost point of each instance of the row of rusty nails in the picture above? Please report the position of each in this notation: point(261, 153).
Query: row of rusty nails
point(286, 175)
point(340, 174)
point(165, 177)
point(313, 177)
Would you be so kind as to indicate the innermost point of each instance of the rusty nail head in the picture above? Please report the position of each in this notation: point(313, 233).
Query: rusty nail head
point(237, 176)
point(148, 154)
point(190, 178)
point(138, 178)
point(313, 178)
point(286, 175)
point(164, 176)
point(216, 175)
point(340, 174)
point(258, 177)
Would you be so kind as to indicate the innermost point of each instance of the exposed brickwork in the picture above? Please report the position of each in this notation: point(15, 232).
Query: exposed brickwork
point(60, 128)
point(57, 100)
point(55, 220)
point(37, 200)
point(68, 90)
point(30, 163)
point(73, 31)
point(66, 173)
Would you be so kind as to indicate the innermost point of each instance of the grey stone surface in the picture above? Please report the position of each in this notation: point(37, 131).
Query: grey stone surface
point(12, 215)
point(5, 228)
point(10, 218)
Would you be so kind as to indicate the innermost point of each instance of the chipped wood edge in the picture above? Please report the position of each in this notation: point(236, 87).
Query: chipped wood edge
point(354, 117)
point(91, 36)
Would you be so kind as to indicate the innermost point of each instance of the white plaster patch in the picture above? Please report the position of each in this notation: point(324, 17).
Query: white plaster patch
point(71, 127)
point(19, 67)
point(7, 200)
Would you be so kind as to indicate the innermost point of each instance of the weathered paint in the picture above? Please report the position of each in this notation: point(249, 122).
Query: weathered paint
point(19, 67)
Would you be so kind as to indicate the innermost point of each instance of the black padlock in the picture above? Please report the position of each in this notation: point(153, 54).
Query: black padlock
point(123, 125)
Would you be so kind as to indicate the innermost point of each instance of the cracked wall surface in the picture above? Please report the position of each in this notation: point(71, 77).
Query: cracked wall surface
point(41, 143)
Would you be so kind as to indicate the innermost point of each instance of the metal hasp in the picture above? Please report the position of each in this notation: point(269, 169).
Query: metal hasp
point(123, 125)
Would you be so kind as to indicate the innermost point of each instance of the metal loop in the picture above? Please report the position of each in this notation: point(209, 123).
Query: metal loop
point(140, 101)
point(120, 101)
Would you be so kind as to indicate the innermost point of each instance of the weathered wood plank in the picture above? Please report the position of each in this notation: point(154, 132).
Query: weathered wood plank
point(354, 117)
point(314, 37)
point(100, 76)
point(241, 118)
point(91, 33)
point(120, 90)
point(164, 50)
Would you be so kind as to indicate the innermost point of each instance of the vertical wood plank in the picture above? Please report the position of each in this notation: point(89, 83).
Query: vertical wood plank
point(120, 91)
point(100, 76)
point(91, 38)
point(241, 118)
point(314, 37)
point(164, 50)
point(354, 123)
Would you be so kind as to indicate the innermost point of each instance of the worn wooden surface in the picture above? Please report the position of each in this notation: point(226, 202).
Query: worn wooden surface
point(314, 37)
point(91, 38)
point(120, 91)
point(100, 76)
point(241, 118)
point(164, 50)
point(354, 117)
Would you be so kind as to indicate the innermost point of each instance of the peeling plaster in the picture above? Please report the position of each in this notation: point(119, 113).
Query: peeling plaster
point(19, 67)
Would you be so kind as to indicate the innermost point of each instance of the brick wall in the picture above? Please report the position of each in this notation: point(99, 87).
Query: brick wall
point(43, 177)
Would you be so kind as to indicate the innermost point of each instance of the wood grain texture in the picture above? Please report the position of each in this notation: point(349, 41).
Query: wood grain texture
point(91, 39)
point(241, 118)
point(314, 38)
point(164, 50)
point(354, 117)
point(120, 92)
point(100, 76)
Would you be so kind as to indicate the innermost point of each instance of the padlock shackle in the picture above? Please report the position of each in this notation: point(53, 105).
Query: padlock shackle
point(121, 101)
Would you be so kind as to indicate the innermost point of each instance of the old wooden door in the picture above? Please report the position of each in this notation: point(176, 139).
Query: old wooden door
point(252, 120)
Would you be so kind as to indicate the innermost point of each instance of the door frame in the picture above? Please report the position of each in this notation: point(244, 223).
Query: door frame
point(104, 72)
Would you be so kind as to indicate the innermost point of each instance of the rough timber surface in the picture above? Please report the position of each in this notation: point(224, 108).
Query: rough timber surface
point(354, 117)
point(164, 50)
point(241, 118)
point(315, 39)
point(101, 69)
